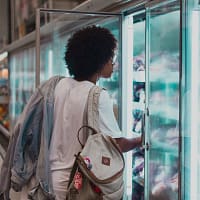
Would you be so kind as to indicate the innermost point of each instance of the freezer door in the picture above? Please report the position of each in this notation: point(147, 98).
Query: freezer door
point(190, 164)
point(162, 94)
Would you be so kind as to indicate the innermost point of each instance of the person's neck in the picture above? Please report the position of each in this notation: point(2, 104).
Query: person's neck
point(93, 79)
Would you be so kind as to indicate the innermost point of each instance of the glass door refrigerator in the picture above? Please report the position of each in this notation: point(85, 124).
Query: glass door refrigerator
point(153, 90)
point(52, 40)
point(162, 105)
point(190, 162)
point(21, 81)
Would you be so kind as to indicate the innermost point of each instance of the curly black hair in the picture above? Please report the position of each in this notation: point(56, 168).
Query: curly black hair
point(88, 50)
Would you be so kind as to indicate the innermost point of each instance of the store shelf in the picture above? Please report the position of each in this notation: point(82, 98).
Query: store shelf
point(139, 76)
point(138, 106)
point(4, 99)
point(3, 81)
point(139, 180)
point(157, 76)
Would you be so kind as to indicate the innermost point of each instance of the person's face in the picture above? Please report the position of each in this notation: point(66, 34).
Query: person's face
point(107, 70)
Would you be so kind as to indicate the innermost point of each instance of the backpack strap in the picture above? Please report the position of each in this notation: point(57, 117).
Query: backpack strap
point(92, 107)
point(90, 119)
point(91, 114)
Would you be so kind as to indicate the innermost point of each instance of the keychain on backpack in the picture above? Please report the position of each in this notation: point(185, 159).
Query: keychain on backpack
point(78, 180)
point(88, 163)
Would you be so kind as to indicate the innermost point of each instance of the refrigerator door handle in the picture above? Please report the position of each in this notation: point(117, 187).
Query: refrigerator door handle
point(143, 130)
point(145, 145)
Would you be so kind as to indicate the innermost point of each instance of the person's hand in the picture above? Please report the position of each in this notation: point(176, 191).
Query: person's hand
point(127, 144)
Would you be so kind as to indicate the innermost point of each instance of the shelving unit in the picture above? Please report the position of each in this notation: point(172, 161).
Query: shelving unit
point(4, 91)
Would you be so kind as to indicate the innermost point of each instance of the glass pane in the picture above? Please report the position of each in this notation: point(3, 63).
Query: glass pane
point(53, 39)
point(190, 104)
point(113, 83)
point(22, 80)
point(164, 23)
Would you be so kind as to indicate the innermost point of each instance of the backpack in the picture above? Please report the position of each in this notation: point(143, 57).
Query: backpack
point(97, 172)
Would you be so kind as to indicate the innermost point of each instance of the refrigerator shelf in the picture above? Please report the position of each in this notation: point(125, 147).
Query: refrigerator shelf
point(139, 180)
point(139, 76)
point(4, 99)
point(138, 106)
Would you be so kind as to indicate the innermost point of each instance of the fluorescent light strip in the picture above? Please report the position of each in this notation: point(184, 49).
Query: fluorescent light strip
point(194, 105)
point(50, 62)
point(128, 69)
point(3, 55)
point(13, 86)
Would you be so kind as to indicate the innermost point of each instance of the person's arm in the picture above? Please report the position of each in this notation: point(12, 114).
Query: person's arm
point(127, 144)
point(109, 126)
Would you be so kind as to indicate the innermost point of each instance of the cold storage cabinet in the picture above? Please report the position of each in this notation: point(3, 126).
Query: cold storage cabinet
point(153, 89)
point(156, 89)
point(52, 41)
point(190, 162)
point(53, 36)
point(22, 80)
point(4, 91)
point(162, 107)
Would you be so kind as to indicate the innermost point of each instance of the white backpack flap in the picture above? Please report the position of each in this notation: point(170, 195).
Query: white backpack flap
point(105, 159)
point(102, 162)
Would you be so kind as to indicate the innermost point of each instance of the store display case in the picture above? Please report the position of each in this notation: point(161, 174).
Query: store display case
point(4, 91)
point(190, 162)
point(155, 87)
point(163, 68)
point(52, 41)
point(22, 80)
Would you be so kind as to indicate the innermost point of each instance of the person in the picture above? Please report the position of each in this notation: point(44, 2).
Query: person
point(89, 55)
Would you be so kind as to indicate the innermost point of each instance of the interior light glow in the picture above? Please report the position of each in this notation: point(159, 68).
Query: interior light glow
point(13, 78)
point(3, 55)
point(50, 63)
point(194, 104)
point(127, 97)
point(4, 73)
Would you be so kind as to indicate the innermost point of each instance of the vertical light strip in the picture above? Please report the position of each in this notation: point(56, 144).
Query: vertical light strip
point(37, 49)
point(194, 104)
point(3, 55)
point(50, 63)
point(129, 98)
point(127, 37)
point(13, 81)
